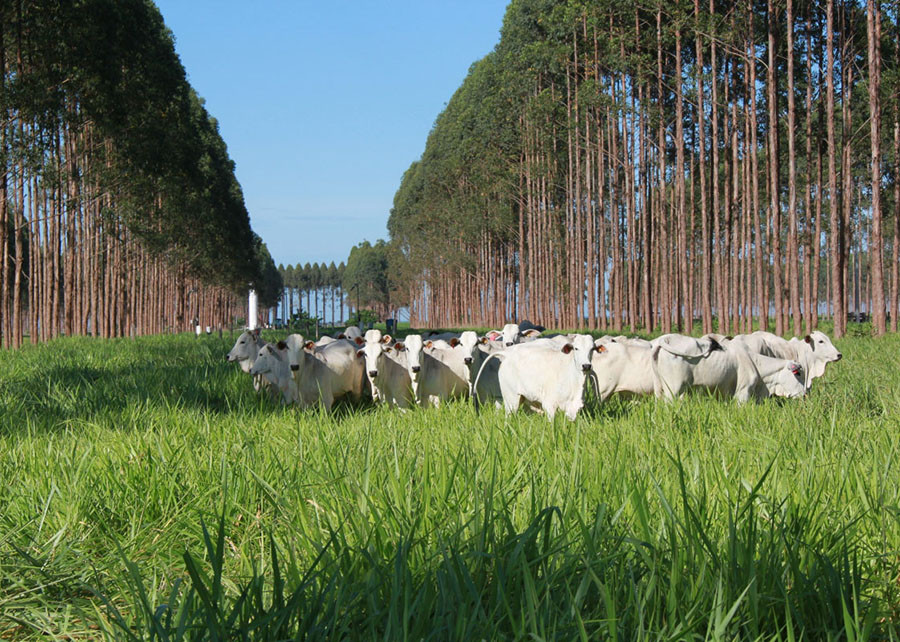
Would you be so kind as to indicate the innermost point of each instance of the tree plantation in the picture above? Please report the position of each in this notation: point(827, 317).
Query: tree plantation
point(645, 164)
point(119, 210)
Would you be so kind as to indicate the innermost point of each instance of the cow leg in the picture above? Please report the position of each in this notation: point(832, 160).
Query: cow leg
point(511, 403)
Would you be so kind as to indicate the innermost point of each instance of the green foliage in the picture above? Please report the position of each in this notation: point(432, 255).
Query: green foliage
point(177, 504)
point(367, 276)
point(105, 75)
point(364, 316)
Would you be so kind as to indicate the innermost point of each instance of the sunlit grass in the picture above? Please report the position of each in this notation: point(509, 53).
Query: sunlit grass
point(148, 492)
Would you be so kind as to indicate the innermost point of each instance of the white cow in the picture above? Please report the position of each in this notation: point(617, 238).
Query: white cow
point(445, 373)
point(622, 366)
point(245, 350)
point(324, 374)
point(436, 372)
point(386, 369)
point(546, 376)
point(813, 352)
point(373, 337)
point(272, 363)
point(682, 363)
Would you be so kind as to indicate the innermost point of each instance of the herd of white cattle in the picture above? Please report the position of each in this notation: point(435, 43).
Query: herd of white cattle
point(516, 366)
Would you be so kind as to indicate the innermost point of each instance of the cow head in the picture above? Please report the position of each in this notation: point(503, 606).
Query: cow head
point(415, 356)
point(268, 358)
point(468, 345)
point(511, 334)
point(822, 347)
point(789, 381)
point(581, 348)
point(373, 336)
point(245, 350)
point(296, 345)
point(373, 354)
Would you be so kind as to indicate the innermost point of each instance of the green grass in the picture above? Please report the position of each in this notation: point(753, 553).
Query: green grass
point(148, 493)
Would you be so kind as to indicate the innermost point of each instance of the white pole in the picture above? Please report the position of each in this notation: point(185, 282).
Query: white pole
point(253, 312)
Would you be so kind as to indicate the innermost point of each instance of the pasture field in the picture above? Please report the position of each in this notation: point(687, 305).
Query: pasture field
point(148, 493)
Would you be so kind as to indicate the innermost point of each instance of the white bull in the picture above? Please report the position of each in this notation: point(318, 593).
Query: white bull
point(546, 376)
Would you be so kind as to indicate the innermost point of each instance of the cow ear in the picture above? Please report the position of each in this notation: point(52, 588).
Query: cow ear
point(429, 344)
point(399, 347)
point(454, 342)
point(342, 336)
point(600, 348)
point(568, 348)
point(359, 341)
point(531, 333)
point(483, 340)
point(282, 345)
point(729, 338)
point(386, 338)
point(309, 345)
point(360, 353)
point(808, 339)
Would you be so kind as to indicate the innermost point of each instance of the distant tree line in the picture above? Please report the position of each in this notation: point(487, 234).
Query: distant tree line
point(645, 164)
point(314, 282)
point(119, 210)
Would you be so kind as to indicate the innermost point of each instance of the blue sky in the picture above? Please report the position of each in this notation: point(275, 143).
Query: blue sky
point(323, 105)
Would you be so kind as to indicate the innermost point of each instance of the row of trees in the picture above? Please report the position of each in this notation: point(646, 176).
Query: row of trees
point(370, 280)
point(119, 210)
point(645, 163)
point(319, 282)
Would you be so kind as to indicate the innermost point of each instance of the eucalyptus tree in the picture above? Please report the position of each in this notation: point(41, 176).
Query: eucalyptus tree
point(614, 163)
point(118, 196)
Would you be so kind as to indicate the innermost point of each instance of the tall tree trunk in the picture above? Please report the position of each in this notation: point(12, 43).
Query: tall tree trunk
point(774, 172)
point(873, 30)
point(836, 255)
point(793, 251)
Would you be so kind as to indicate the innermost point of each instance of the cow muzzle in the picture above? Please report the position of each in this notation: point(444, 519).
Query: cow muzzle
point(295, 367)
point(840, 356)
point(416, 369)
point(509, 343)
point(373, 373)
point(585, 367)
point(467, 361)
